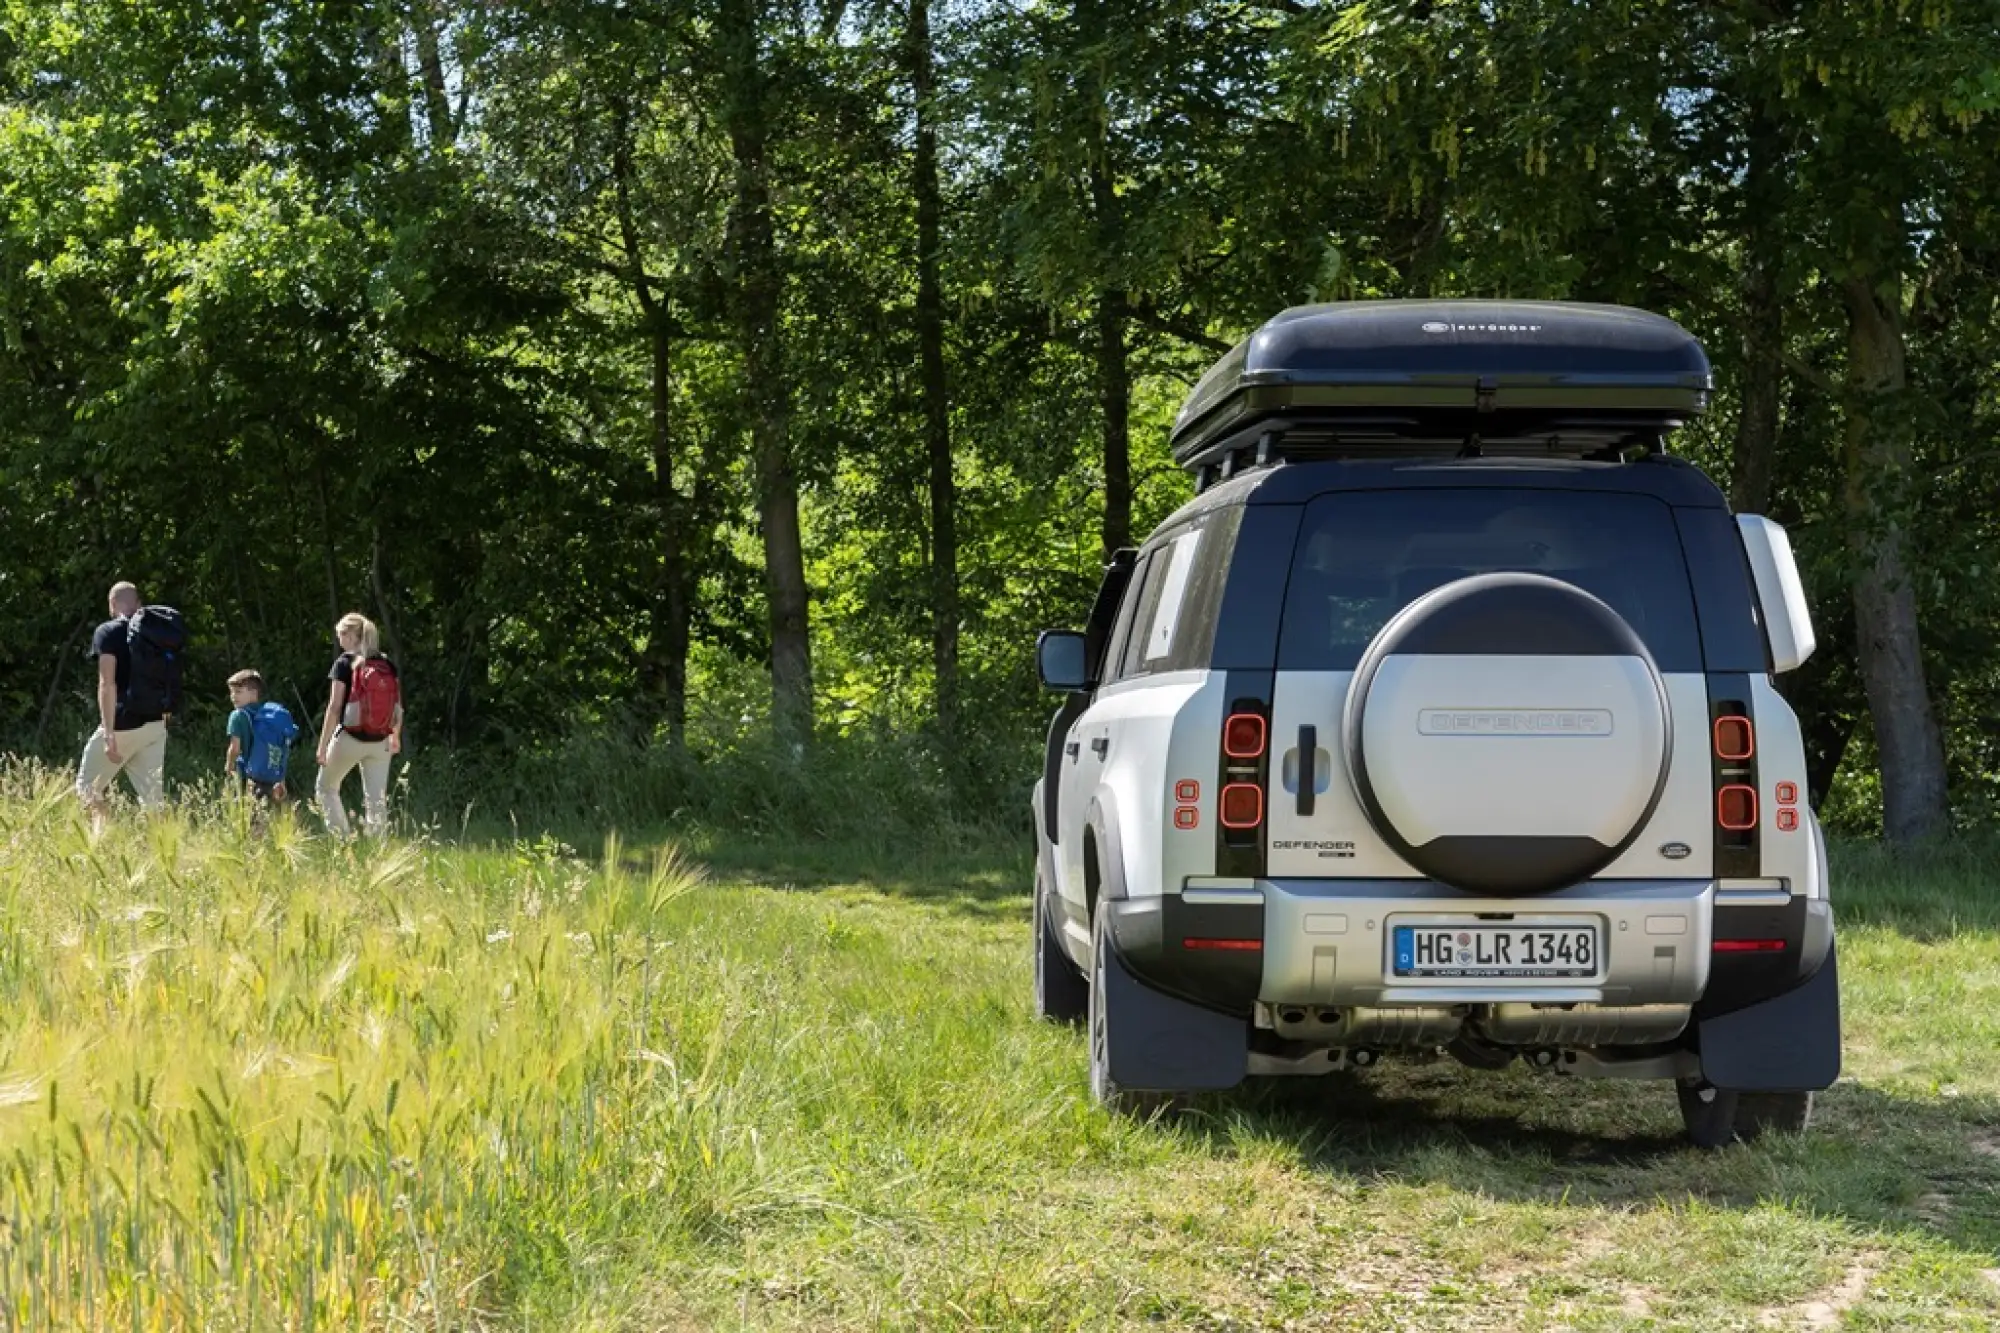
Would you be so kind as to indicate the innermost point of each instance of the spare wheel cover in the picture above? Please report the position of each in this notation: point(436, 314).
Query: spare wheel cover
point(1507, 734)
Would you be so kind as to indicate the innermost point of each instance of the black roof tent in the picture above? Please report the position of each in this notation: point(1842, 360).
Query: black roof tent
point(1539, 379)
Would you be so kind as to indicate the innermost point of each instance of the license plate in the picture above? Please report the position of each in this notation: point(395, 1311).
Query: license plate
point(1488, 949)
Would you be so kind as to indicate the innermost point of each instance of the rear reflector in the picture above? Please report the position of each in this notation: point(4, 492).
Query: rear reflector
point(1736, 808)
point(1734, 739)
point(1242, 805)
point(1243, 736)
point(1247, 946)
point(1749, 946)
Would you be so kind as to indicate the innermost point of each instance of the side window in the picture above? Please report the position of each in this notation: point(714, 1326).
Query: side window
point(1161, 612)
point(1194, 635)
point(1121, 629)
point(1174, 627)
point(1104, 610)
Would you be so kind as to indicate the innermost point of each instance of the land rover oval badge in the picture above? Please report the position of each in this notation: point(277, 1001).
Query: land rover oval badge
point(1676, 851)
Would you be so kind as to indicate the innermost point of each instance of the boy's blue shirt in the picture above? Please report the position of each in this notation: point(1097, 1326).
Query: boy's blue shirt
point(240, 729)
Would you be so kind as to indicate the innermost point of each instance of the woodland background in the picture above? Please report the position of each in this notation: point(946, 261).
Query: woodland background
point(711, 398)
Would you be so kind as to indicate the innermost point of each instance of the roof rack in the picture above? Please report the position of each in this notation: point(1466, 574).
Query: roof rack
point(1522, 379)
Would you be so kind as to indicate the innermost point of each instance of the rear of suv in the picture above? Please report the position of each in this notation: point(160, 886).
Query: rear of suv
point(1442, 719)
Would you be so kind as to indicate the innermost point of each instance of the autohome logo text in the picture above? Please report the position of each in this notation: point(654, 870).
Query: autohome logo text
point(1440, 326)
point(1514, 722)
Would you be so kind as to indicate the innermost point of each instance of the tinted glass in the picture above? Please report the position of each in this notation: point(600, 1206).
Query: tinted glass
point(1732, 639)
point(1174, 627)
point(1201, 607)
point(1364, 555)
point(1115, 652)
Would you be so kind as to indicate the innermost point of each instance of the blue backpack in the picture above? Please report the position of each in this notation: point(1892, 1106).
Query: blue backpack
point(272, 731)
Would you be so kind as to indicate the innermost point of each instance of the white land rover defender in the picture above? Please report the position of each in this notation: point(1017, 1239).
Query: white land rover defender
point(1442, 718)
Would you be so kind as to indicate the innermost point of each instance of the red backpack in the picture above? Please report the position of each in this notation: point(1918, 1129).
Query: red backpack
point(372, 696)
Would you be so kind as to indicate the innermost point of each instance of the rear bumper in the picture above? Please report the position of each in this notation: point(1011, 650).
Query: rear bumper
point(1324, 942)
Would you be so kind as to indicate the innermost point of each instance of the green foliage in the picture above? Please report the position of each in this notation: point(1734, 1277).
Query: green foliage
point(433, 310)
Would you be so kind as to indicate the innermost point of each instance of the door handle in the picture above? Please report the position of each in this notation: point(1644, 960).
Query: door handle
point(1101, 744)
point(1308, 780)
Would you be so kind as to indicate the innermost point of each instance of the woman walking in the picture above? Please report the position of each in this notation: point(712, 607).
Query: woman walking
point(362, 728)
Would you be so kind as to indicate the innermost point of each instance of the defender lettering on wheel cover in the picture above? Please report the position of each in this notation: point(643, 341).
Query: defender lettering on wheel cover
point(1442, 717)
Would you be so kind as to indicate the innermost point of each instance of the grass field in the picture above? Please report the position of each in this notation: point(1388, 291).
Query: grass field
point(268, 1083)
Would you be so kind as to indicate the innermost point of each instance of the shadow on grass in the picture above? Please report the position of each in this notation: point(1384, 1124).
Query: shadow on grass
point(1879, 1160)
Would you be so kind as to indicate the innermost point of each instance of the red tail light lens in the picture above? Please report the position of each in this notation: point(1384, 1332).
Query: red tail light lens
point(1734, 739)
point(1242, 805)
point(1198, 942)
point(1243, 736)
point(1749, 946)
point(1736, 808)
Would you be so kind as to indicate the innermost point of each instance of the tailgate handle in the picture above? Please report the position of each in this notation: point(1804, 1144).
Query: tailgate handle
point(1308, 780)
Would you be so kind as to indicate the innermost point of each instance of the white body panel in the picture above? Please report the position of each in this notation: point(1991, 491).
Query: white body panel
point(1157, 731)
point(1792, 850)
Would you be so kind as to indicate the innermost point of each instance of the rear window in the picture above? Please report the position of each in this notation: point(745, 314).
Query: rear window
point(1364, 555)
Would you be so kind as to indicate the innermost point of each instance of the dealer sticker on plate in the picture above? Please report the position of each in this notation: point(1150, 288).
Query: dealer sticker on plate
point(1495, 949)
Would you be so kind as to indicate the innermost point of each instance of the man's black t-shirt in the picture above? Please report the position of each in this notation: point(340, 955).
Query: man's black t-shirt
point(110, 638)
point(343, 671)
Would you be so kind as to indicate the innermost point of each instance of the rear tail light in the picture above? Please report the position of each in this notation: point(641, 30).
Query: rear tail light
point(1199, 942)
point(1735, 741)
point(1239, 796)
point(1736, 807)
point(1749, 946)
point(1242, 805)
point(1243, 736)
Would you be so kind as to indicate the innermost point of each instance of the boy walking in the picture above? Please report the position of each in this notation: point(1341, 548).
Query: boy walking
point(260, 738)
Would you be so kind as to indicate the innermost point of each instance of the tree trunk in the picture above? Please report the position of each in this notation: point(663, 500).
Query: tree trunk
point(430, 60)
point(1755, 456)
point(331, 561)
point(937, 401)
point(467, 613)
point(382, 584)
point(665, 666)
point(1114, 306)
point(759, 301)
point(1114, 397)
point(1890, 648)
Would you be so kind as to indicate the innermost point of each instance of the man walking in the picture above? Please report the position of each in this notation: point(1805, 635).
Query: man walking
point(131, 736)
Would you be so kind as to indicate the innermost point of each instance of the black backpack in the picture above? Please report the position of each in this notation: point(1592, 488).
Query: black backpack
point(155, 637)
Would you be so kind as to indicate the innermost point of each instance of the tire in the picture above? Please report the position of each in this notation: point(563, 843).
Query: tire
point(1717, 1117)
point(1062, 995)
point(1105, 1091)
point(1761, 1113)
point(1708, 1114)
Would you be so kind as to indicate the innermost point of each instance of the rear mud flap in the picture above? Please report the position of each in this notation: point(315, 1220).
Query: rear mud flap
point(1157, 1043)
point(1790, 1043)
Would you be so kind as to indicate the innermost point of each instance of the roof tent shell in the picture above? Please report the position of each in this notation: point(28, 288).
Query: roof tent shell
point(1374, 378)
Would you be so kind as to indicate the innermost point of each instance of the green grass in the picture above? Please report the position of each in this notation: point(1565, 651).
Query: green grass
point(272, 1083)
